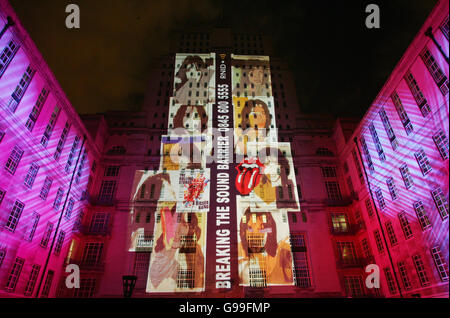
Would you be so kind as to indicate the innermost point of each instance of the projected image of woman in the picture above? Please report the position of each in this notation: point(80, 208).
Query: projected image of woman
point(190, 119)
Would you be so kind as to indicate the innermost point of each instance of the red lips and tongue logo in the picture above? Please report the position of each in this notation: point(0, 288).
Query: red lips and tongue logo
point(249, 174)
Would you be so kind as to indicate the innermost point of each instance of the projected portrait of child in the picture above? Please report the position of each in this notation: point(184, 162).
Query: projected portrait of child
point(190, 119)
point(264, 250)
point(251, 78)
point(193, 75)
point(275, 189)
point(177, 262)
point(255, 123)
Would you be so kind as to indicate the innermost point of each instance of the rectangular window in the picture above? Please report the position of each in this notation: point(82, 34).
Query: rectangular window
point(49, 129)
point(417, 94)
point(7, 55)
point(112, 171)
point(302, 273)
point(392, 188)
point(92, 253)
point(423, 161)
point(369, 207)
point(404, 275)
point(2, 195)
point(72, 153)
point(436, 72)
point(329, 172)
point(46, 188)
point(333, 190)
point(46, 237)
point(14, 159)
point(339, 222)
point(441, 202)
point(87, 288)
point(420, 270)
point(406, 176)
point(107, 190)
point(346, 252)
point(406, 227)
point(2, 255)
point(439, 261)
point(422, 215)
point(47, 284)
point(367, 154)
point(354, 286)
point(402, 113)
point(444, 27)
point(358, 167)
point(378, 241)
point(81, 166)
point(35, 112)
point(59, 242)
point(391, 233)
point(441, 141)
point(69, 208)
point(31, 175)
point(380, 198)
point(389, 131)
point(366, 248)
point(377, 142)
point(62, 141)
point(15, 274)
point(99, 222)
point(186, 271)
point(58, 199)
point(14, 216)
point(21, 88)
point(34, 221)
point(32, 280)
point(390, 281)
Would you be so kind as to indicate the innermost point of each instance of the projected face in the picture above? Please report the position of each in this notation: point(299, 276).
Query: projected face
point(258, 117)
point(192, 73)
point(191, 119)
point(256, 76)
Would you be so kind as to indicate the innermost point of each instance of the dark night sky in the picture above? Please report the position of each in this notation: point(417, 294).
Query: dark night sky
point(339, 65)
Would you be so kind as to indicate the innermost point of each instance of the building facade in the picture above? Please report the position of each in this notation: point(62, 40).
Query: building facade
point(133, 193)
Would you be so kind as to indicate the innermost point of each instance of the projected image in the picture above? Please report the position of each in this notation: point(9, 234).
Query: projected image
point(194, 80)
point(251, 76)
point(186, 119)
point(177, 262)
point(265, 256)
point(277, 187)
point(193, 191)
point(254, 120)
point(184, 152)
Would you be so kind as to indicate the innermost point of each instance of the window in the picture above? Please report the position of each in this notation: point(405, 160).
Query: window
point(406, 227)
point(439, 261)
point(391, 233)
point(14, 216)
point(392, 188)
point(366, 248)
point(423, 161)
point(441, 202)
point(256, 273)
point(436, 72)
point(2, 195)
point(186, 271)
point(34, 220)
point(47, 284)
point(107, 189)
point(72, 153)
point(333, 190)
point(81, 166)
point(31, 175)
point(404, 275)
point(59, 242)
point(378, 241)
point(339, 222)
point(358, 167)
point(62, 141)
point(302, 273)
point(389, 131)
point(329, 172)
point(406, 176)
point(46, 188)
point(46, 237)
point(15, 274)
point(390, 281)
point(87, 288)
point(49, 129)
point(14, 159)
point(21, 88)
point(422, 215)
point(380, 198)
point(402, 113)
point(441, 141)
point(367, 154)
point(420, 270)
point(69, 208)
point(99, 222)
point(377, 142)
point(444, 27)
point(346, 252)
point(7, 55)
point(32, 280)
point(354, 286)
point(417, 93)
point(2, 255)
point(369, 207)
point(35, 112)
point(144, 242)
point(112, 171)
point(92, 253)
point(58, 198)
